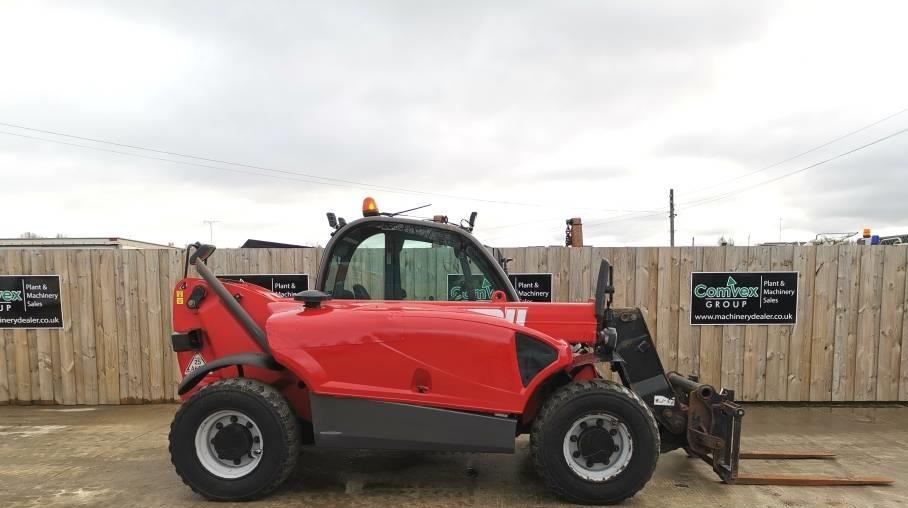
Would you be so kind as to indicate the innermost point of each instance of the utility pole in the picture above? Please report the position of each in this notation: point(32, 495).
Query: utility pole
point(211, 224)
point(671, 216)
point(780, 229)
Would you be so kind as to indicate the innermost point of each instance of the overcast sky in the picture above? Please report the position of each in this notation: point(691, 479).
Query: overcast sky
point(527, 112)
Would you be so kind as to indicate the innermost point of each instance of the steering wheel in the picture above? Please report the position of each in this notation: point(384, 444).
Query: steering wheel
point(360, 293)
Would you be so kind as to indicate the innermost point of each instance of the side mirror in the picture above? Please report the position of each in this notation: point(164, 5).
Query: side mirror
point(202, 252)
point(332, 220)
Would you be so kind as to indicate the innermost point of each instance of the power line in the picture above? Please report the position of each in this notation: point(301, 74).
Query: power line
point(184, 163)
point(793, 157)
point(309, 178)
point(795, 172)
point(719, 197)
point(178, 154)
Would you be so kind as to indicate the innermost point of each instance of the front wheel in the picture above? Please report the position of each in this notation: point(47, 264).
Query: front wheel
point(234, 440)
point(595, 442)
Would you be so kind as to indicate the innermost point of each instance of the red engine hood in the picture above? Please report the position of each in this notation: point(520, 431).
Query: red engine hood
point(571, 322)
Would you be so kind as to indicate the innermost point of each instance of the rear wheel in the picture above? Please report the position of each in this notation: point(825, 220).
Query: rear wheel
point(595, 442)
point(236, 439)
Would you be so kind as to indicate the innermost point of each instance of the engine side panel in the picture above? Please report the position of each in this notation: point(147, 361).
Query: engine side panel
point(361, 423)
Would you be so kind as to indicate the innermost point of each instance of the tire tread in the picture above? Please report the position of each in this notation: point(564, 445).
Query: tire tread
point(554, 403)
point(279, 406)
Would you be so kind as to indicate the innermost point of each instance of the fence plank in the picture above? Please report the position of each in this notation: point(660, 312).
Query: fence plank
point(166, 293)
point(673, 325)
point(33, 265)
point(97, 328)
point(647, 287)
point(903, 362)
point(134, 272)
point(67, 366)
point(688, 336)
point(170, 274)
point(711, 336)
point(736, 260)
point(586, 270)
point(7, 345)
point(43, 341)
point(155, 328)
point(531, 259)
point(109, 321)
point(575, 272)
point(54, 338)
point(559, 262)
point(823, 334)
point(518, 260)
point(84, 329)
point(20, 367)
point(755, 338)
point(891, 311)
point(846, 313)
point(665, 342)
point(667, 307)
point(623, 277)
point(869, 304)
point(799, 345)
point(120, 297)
point(778, 337)
point(145, 319)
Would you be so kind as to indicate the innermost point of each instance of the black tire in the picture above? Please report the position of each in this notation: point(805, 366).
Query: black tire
point(274, 418)
point(572, 402)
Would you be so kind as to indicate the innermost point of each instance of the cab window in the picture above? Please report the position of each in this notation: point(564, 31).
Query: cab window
point(445, 269)
point(407, 262)
point(357, 267)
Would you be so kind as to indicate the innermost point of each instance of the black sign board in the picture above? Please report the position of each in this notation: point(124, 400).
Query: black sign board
point(532, 287)
point(30, 301)
point(744, 298)
point(285, 285)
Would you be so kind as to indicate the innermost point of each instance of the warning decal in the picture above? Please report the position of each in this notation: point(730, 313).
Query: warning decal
point(196, 362)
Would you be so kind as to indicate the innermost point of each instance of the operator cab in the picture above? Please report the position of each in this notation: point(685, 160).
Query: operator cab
point(383, 257)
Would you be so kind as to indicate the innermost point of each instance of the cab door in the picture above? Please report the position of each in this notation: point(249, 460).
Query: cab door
point(440, 353)
point(460, 359)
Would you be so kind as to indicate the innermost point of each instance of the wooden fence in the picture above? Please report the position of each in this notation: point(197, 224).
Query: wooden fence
point(846, 345)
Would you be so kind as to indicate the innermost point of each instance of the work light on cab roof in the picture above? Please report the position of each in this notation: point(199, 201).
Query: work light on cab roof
point(370, 207)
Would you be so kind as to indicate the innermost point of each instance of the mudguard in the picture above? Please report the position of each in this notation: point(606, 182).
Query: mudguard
point(261, 360)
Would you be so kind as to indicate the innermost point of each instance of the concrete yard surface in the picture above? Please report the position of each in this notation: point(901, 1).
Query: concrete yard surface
point(116, 456)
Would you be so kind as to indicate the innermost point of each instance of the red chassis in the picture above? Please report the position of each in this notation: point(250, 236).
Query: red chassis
point(458, 355)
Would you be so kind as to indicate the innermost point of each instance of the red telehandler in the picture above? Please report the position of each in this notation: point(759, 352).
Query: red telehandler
point(378, 357)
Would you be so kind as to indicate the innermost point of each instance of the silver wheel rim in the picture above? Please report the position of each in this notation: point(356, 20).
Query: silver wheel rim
point(616, 462)
point(208, 455)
